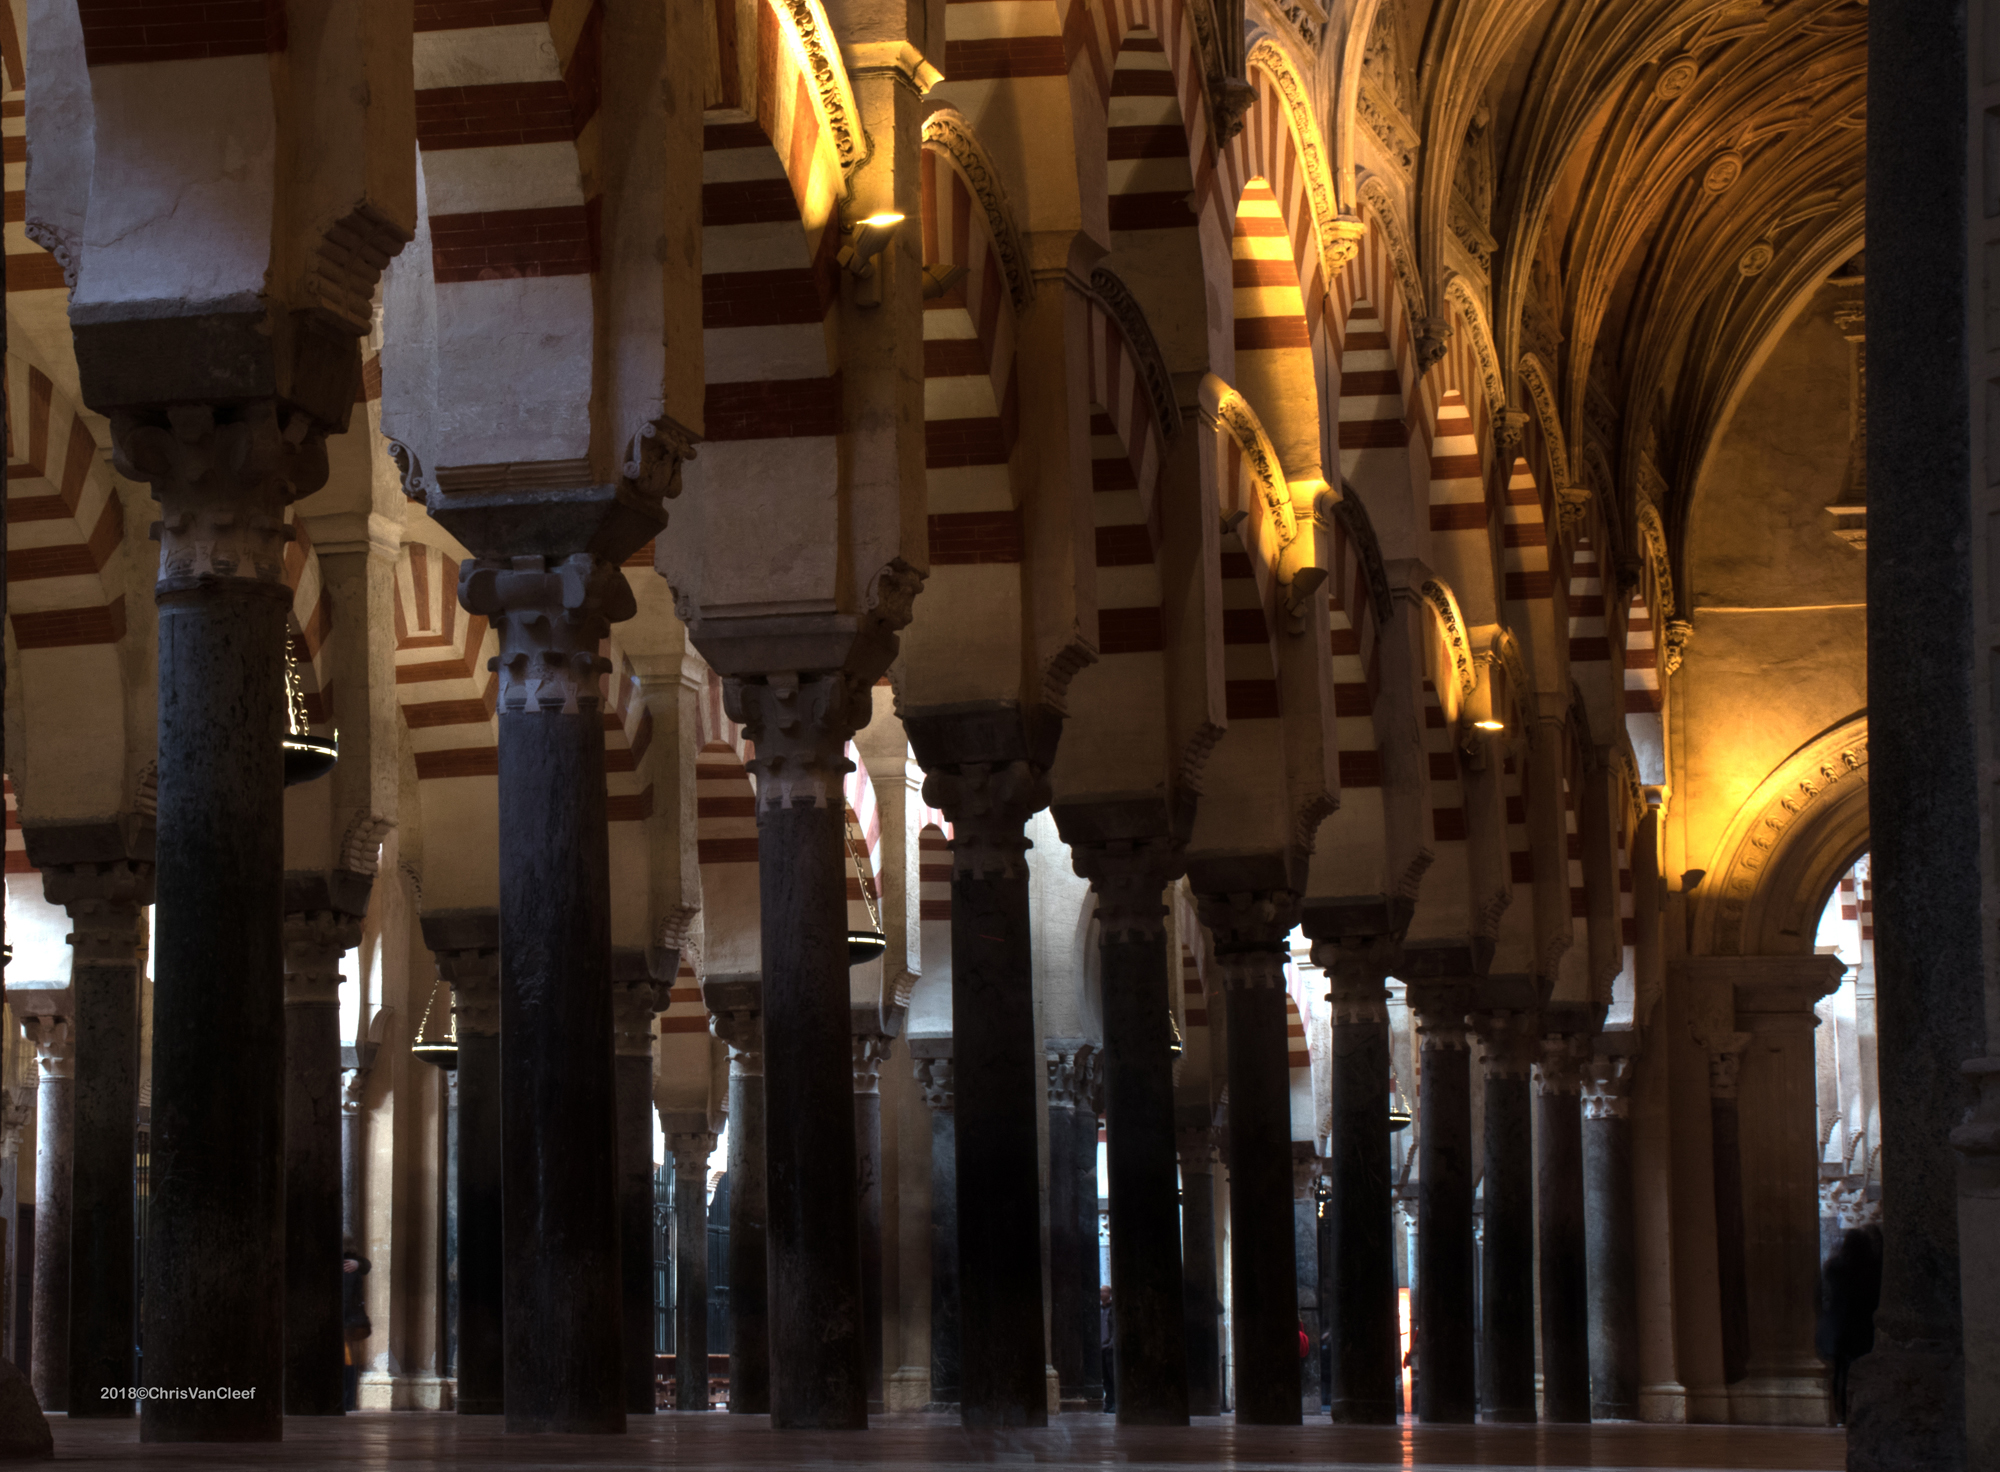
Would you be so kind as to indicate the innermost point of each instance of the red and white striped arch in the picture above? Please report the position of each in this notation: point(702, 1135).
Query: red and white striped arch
point(1274, 348)
point(65, 522)
point(1460, 516)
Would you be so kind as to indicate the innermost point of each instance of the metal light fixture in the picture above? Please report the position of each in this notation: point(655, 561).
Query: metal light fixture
point(857, 257)
point(1175, 1045)
point(307, 757)
point(1399, 1108)
point(863, 946)
point(439, 1052)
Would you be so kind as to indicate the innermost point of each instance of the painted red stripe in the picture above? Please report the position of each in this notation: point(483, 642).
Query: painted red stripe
point(952, 443)
point(967, 537)
point(65, 628)
point(1373, 434)
point(1251, 700)
point(1268, 334)
point(496, 116)
point(1005, 56)
point(119, 32)
point(781, 408)
point(1165, 210)
point(1130, 631)
point(499, 245)
point(762, 298)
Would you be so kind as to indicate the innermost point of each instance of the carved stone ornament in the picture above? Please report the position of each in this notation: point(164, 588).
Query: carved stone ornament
point(946, 130)
point(633, 1007)
point(1756, 260)
point(1722, 172)
point(1676, 75)
point(800, 725)
point(1124, 310)
point(1451, 623)
point(1234, 414)
point(223, 477)
point(1376, 196)
point(1071, 1066)
point(1250, 933)
point(1357, 967)
point(1725, 1064)
point(743, 1031)
point(819, 57)
point(474, 978)
point(315, 940)
point(1675, 642)
point(410, 470)
point(1509, 1043)
point(1653, 548)
point(104, 903)
point(691, 1151)
point(54, 1039)
point(934, 1078)
point(1129, 876)
point(16, 1105)
point(871, 1051)
point(654, 457)
point(1572, 509)
point(1607, 1087)
point(1459, 294)
point(1339, 235)
point(989, 807)
point(551, 616)
point(1560, 1067)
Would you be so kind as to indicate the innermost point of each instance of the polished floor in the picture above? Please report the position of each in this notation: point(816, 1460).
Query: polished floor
point(915, 1442)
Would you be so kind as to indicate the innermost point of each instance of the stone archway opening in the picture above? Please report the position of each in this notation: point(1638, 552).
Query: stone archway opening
point(1846, 1079)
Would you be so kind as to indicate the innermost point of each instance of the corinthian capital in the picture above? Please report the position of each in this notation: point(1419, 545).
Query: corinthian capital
point(633, 1007)
point(315, 940)
point(800, 725)
point(551, 615)
point(1607, 1087)
point(1251, 931)
point(1071, 1063)
point(223, 476)
point(54, 1039)
point(1128, 878)
point(104, 901)
point(1510, 1043)
point(474, 978)
point(989, 807)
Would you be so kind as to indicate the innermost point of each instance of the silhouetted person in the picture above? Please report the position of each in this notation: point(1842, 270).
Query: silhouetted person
point(1850, 1287)
point(1104, 1333)
point(354, 1325)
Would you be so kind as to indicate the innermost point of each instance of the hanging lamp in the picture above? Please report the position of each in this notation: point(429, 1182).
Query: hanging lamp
point(307, 757)
point(438, 1052)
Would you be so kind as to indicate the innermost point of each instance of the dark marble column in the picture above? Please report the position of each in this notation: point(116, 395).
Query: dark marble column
point(1250, 952)
point(819, 1375)
point(563, 1328)
point(1608, 1222)
point(635, 999)
point(55, 1050)
point(1003, 1369)
point(1200, 1265)
point(734, 1009)
point(1725, 1060)
point(1305, 1239)
point(314, 943)
point(1508, 1044)
point(1564, 1277)
point(1929, 633)
point(107, 940)
point(871, 1049)
point(15, 1110)
point(691, 1152)
point(1073, 1329)
point(1147, 1294)
point(471, 965)
point(1445, 1316)
point(215, 1228)
point(934, 1074)
point(1366, 1386)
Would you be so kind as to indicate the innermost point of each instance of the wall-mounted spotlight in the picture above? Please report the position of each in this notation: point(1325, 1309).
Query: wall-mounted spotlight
point(857, 257)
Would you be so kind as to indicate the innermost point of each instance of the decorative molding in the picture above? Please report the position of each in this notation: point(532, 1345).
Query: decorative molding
point(820, 56)
point(948, 132)
point(654, 456)
point(1398, 138)
point(1351, 512)
point(1444, 606)
point(1112, 294)
point(416, 485)
point(1375, 195)
point(1460, 295)
point(1653, 547)
point(551, 616)
point(1233, 413)
point(1535, 379)
point(346, 263)
point(1339, 235)
point(1229, 97)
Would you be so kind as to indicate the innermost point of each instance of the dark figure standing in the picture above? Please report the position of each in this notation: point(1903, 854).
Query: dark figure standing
point(1104, 1341)
point(354, 1325)
point(1850, 1286)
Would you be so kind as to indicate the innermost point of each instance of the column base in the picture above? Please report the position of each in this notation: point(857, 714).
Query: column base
point(1906, 1408)
point(382, 1390)
point(1793, 1395)
point(1664, 1404)
point(909, 1389)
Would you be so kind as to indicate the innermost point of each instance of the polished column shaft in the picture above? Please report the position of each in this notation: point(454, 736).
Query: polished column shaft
point(107, 940)
point(1199, 1268)
point(1507, 1247)
point(55, 1048)
point(1446, 1309)
point(995, 1058)
point(734, 1017)
point(691, 1152)
point(314, 943)
point(871, 1048)
point(1607, 1195)
point(934, 1074)
point(1564, 1269)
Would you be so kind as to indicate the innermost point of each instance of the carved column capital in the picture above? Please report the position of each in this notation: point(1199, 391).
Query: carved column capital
point(935, 1079)
point(15, 1106)
point(1607, 1087)
point(989, 806)
point(633, 1007)
point(474, 978)
point(1251, 931)
point(104, 901)
point(1071, 1063)
point(223, 475)
point(871, 1051)
point(1357, 965)
point(1128, 878)
point(690, 1152)
point(800, 725)
point(315, 940)
point(551, 615)
point(1725, 1063)
point(1510, 1043)
point(1440, 1010)
point(1559, 1070)
point(54, 1040)
point(743, 1032)
point(1200, 1150)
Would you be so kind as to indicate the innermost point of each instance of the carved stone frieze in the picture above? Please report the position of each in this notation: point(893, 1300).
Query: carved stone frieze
point(551, 616)
point(1339, 234)
point(989, 807)
point(819, 57)
point(800, 725)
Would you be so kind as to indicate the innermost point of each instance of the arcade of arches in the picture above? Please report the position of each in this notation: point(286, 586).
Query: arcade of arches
point(1001, 709)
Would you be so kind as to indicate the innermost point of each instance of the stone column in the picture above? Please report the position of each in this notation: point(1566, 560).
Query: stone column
point(1149, 1351)
point(1725, 1058)
point(108, 943)
point(1784, 1381)
point(1305, 1248)
point(691, 1151)
point(1199, 1267)
point(1446, 1311)
point(934, 1074)
point(1072, 1177)
point(314, 943)
point(1366, 1387)
point(635, 998)
point(474, 974)
point(215, 1249)
point(1003, 1375)
point(1507, 1248)
point(799, 723)
point(15, 1107)
point(734, 1004)
point(1564, 1276)
point(55, 1049)
point(1607, 1201)
point(871, 1049)
point(558, 1147)
point(1250, 952)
